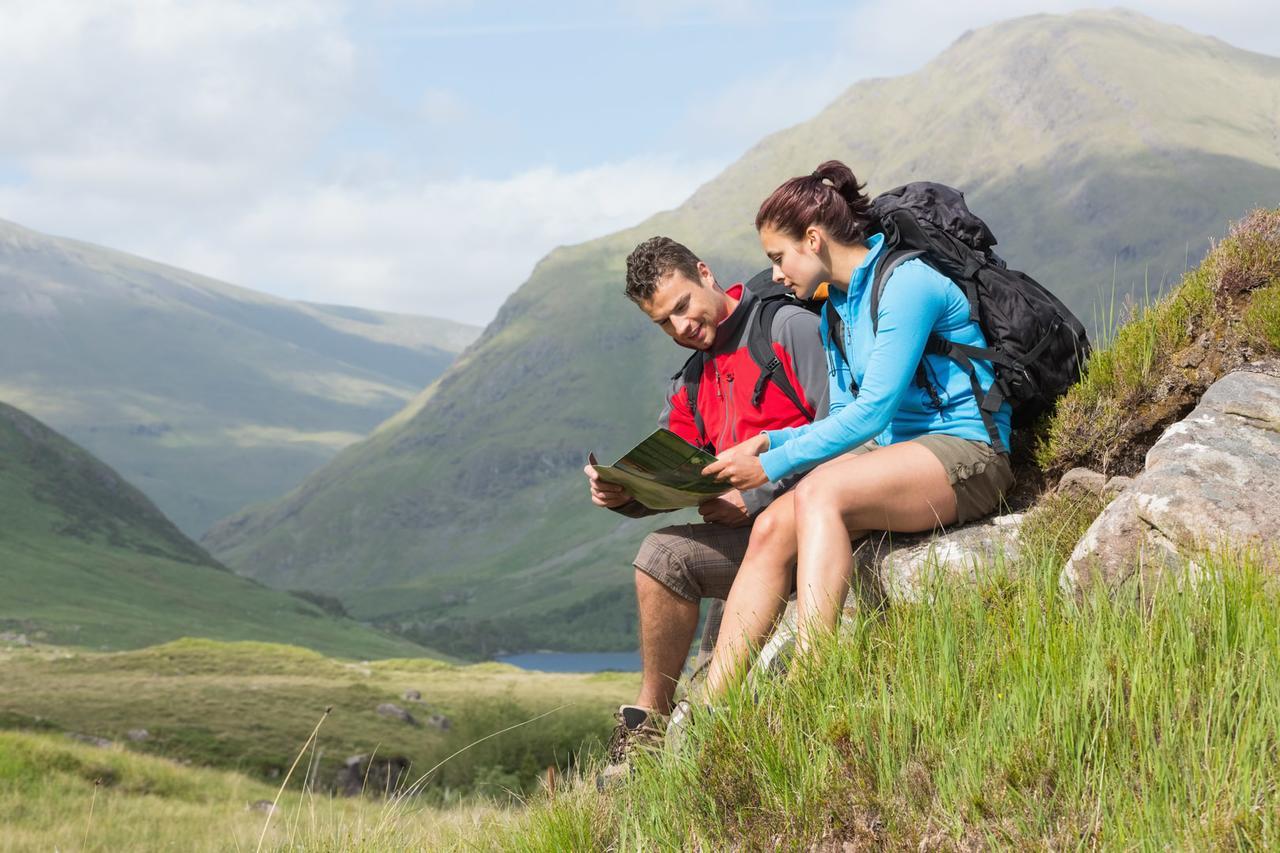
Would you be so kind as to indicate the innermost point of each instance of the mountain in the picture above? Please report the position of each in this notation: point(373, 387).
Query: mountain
point(86, 559)
point(209, 397)
point(1104, 148)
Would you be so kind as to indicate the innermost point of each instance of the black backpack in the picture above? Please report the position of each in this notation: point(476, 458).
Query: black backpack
point(773, 297)
point(1035, 344)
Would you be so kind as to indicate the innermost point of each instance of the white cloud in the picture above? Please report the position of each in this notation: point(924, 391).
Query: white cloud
point(190, 131)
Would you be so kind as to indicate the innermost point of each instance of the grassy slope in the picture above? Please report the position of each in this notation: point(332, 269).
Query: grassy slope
point(1092, 143)
point(1005, 714)
point(86, 559)
point(251, 706)
point(59, 795)
point(207, 396)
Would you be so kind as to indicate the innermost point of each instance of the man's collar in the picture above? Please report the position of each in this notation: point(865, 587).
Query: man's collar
point(727, 332)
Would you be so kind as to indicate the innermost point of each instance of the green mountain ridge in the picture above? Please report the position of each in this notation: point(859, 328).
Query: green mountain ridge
point(1105, 149)
point(87, 559)
point(208, 396)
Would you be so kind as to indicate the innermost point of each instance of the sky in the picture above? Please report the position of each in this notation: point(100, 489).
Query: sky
point(420, 156)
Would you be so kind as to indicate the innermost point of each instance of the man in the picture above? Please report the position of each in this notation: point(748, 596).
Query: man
point(716, 401)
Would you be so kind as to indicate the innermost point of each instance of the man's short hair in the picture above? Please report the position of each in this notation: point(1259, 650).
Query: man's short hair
point(653, 260)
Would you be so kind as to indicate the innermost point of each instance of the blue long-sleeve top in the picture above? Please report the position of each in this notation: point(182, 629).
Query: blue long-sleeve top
point(889, 406)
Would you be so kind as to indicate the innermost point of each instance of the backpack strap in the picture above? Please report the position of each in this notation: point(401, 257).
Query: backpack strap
point(884, 269)
point(988, 401)
point(835, 334)
point(760, 346)
point(691, 372)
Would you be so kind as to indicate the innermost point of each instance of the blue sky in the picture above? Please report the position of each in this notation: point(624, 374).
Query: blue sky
point(422, 155)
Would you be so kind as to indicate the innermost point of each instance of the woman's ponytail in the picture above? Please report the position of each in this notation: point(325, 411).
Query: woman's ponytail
point(830, 197)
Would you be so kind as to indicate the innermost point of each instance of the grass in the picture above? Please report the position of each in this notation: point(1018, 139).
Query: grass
point(58, 795)
point(1156, 365)
point(996, 714)
point(248, 707)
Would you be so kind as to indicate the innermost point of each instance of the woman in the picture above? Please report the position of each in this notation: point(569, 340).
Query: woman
point(891, 454)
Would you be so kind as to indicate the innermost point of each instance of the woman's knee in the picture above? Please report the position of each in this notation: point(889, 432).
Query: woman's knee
point(817, 494)
point(772, 531)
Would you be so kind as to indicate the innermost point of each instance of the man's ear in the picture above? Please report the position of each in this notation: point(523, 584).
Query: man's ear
point(705, 275)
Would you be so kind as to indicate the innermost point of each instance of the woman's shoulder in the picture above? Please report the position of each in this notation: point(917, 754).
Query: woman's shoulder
point(914, 281)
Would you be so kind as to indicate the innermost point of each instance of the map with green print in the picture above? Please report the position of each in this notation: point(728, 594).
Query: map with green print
point(663, 472)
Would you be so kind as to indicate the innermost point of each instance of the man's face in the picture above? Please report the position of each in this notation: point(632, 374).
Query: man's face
point(689, 311)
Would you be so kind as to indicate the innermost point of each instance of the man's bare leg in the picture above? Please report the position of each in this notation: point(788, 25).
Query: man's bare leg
point(667, 625)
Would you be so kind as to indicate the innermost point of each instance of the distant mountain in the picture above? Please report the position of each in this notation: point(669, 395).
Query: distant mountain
point(209, 397)
point(86, 559)
point(1104, 148)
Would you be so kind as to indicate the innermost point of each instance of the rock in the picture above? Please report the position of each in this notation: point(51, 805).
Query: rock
point(138, 735)
point(1082, 482)
point(361, 774)
point(261, 806)
point(439, 721)
point(895, 566)
point(395, 712)
point(412, 696)
point(1212, 480)
point(15, 638)
point(92, 740)
point(1115, 486)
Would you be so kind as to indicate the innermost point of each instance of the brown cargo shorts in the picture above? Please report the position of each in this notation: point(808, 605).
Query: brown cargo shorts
point(979, 476)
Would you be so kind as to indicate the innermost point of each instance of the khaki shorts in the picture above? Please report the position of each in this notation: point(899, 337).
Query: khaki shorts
point(979, 476)
point(696, 561)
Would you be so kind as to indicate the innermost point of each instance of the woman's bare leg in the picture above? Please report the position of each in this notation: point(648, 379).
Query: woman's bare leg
point(759, 592)
point(901, 488)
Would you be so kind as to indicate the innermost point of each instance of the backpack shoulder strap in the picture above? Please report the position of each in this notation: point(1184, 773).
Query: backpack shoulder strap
point(760, 346)
point(691, 373)
point(884, 269)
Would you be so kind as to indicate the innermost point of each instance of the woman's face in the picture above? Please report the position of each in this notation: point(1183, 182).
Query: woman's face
point(796, 263)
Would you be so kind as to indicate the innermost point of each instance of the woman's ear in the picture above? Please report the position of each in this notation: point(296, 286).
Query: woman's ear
point(813, 239)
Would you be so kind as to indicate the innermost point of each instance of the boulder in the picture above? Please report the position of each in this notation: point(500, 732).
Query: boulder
point(138, 735)
point(1115, 486)
point(395, 712)
point(92, 740)
point(895, 566)
point(413, 696)
point(1082, 482)
point(361, 774)
point(439, 721)
point(1212, 481)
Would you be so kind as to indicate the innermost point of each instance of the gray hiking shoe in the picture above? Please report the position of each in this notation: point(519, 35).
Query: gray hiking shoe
point(682, 718)
point(637, 729)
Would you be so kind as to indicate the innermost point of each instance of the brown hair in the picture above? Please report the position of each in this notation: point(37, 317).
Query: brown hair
point(652, 260)
point(831, 197)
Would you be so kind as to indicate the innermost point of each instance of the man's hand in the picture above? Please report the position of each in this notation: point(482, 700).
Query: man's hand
point(728, 509)
point(740, 464)
point(604, 494)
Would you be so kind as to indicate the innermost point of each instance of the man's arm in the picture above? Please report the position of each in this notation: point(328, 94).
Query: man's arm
point(675, 416)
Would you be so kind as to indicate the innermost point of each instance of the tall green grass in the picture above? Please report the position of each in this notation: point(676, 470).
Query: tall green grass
point(1001, 713)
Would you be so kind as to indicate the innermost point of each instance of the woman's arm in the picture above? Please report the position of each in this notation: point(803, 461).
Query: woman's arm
point(914, 297)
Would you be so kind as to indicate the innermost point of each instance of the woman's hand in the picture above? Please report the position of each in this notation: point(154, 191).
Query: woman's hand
point(740, 465)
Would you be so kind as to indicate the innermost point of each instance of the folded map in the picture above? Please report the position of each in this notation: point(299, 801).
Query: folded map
point(663, 472)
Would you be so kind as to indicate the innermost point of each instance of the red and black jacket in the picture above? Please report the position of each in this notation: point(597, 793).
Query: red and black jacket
point(733, 405)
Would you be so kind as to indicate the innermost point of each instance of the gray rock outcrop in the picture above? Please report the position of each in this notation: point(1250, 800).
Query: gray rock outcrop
point(895, 566)
point(395, 712)
point(1211, 481)
point(362, 774)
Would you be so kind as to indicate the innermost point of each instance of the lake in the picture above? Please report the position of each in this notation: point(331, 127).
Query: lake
point(575, 661)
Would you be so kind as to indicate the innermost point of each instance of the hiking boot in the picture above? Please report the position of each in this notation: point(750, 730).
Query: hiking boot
point(637, 729)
